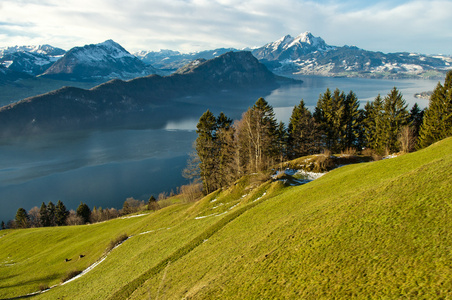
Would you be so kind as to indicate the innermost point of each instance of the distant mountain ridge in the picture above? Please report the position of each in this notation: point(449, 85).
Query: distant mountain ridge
point(146, 100)
point(103, 60)
point(309, 55)
point(30, 60)
point(304, 54)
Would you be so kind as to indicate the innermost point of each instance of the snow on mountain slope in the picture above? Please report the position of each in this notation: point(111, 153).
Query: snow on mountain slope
point(103, 60)
point(32, 60)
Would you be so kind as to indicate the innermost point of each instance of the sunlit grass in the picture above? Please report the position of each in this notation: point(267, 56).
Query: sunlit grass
point(369, 230)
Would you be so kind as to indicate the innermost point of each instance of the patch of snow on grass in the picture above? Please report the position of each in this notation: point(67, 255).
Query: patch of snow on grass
point(94, 264)
point(133, 216)
point(265, 193)
point(221, 204)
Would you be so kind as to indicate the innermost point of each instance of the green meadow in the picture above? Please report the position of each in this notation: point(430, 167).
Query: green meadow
point(376, 230)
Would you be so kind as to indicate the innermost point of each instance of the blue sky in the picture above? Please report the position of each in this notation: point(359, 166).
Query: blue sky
point(420, 26)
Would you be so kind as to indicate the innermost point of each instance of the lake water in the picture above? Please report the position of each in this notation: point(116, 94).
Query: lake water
point(103, 168)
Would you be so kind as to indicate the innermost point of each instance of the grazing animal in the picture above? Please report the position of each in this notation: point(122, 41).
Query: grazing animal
point(81, 256)
point(67, 259)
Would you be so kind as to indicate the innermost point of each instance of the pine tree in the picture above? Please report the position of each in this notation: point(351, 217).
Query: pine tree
point(226, 151)
point(303, 133)
point(207, 150)
point(84, 212)
point(51, 213)
point(372, 123)
point(416, 118)
point(282, 139)
point(329, 114)
point(152, 203)
point(44, 216)
point(21, 218)
point(437, 122)
point(3, 225)
point(61, 214)
point(351, 123)
point(395, 116)
point(323, 115)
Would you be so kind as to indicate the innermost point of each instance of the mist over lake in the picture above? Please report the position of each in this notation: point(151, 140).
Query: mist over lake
point(103, 168)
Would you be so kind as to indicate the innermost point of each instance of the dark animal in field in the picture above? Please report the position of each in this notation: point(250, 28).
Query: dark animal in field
point(67, 259)
point(81, 256)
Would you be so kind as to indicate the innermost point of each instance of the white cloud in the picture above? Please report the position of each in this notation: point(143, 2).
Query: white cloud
point(186, 25)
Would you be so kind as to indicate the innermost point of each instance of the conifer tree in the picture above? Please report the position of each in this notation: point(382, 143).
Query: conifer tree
point(84, 212)
point(303, 133)
point(207, 150)
point(329, 114)
point(152, 203)
point(51, 213)
point(351, 119)
point(323, 115)
point(437, 122)
point(282, 138)
point(416, 118)
point(3, 225)
point(22, 218)
point(44, 216)
point(61, 214)
point(225, 143)
point(395, 116)
point(372, 123)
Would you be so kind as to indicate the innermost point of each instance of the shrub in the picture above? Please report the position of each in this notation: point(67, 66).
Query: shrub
point(323, 162)
point(43, 287)
point(70, 274)
point(73, 219)
point(116, 242)
point(348, 152)
point(191, 192)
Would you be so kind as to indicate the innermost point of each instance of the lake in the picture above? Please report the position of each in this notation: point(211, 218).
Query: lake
point(103, 168)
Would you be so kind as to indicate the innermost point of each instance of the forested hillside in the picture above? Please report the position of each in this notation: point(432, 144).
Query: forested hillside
point(227, 150)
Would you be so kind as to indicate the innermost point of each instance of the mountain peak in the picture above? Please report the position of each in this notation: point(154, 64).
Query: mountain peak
point(107, 59)
point(110, 44)
point(288, 47)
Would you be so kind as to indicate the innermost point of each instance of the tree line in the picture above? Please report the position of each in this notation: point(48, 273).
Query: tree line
point(49, 215)
point(226, 150)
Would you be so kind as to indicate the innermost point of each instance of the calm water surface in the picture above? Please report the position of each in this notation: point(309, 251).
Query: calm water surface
point(103, 168)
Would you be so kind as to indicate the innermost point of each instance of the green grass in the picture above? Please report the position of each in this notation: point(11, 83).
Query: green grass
point(369, 230)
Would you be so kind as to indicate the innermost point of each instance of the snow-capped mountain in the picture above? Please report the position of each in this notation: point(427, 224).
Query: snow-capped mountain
point(309, 55)
point(172, 60)
point(39, 49)
point(32, 60)
point(98, 61)
point(306, 54)
point(291, 48)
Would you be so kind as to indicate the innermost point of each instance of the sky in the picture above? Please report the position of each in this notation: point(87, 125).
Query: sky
point(420, 26)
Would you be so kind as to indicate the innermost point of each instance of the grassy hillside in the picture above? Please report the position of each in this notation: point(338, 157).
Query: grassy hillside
point(372, 230)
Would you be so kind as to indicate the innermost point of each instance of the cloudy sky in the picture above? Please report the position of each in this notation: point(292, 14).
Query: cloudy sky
point(421, 26)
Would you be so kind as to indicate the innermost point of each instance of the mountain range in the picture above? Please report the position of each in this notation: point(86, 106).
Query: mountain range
point(145, 101)
point(304, 54)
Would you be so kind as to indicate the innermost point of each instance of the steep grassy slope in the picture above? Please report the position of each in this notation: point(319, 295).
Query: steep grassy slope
point(373, 230)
